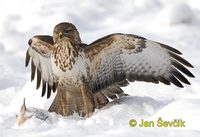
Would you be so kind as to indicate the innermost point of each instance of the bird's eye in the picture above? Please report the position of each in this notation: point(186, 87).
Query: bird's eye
point(66, 31)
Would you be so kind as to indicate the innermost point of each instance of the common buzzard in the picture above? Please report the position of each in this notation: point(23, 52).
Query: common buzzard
point(85, 76)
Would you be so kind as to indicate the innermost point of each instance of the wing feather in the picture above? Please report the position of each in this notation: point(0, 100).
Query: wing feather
point(180, 59)
point(180, 76)
point(170, 48)
point(175, 81)
point(39, 52)
point(43, 88)
point(38, 79)
point(163, 80)
point(32, 70)
point(182, 68)
point(27, 58)
point(119, 57)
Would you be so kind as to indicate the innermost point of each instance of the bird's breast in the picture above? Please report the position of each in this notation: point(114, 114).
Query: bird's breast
point(69, 68)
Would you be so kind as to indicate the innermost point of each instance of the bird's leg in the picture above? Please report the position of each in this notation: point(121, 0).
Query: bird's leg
point(88, 101)
point(63, 102)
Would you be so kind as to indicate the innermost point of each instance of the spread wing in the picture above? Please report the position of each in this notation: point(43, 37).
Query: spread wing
point(39, 52)
point(119, 57)
point(108, 94)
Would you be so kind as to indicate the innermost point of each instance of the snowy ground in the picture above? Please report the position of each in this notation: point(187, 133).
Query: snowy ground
point(168, 21)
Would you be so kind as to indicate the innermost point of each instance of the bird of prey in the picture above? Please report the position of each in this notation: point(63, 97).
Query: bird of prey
point(85, 76)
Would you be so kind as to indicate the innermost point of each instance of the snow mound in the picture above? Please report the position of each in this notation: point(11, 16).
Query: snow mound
point(176, 14)
point(117, 112)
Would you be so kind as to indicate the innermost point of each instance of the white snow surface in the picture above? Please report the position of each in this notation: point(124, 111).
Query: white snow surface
point(168, 21)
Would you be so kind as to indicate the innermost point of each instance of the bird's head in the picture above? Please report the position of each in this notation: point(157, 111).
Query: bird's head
point(68, 30)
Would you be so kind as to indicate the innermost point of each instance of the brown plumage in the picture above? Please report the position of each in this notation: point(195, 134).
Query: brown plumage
point(85, 76)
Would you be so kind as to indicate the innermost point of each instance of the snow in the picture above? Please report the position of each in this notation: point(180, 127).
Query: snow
point(168, 21)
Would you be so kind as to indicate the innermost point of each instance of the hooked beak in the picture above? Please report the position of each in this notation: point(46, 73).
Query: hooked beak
point(60, 35)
